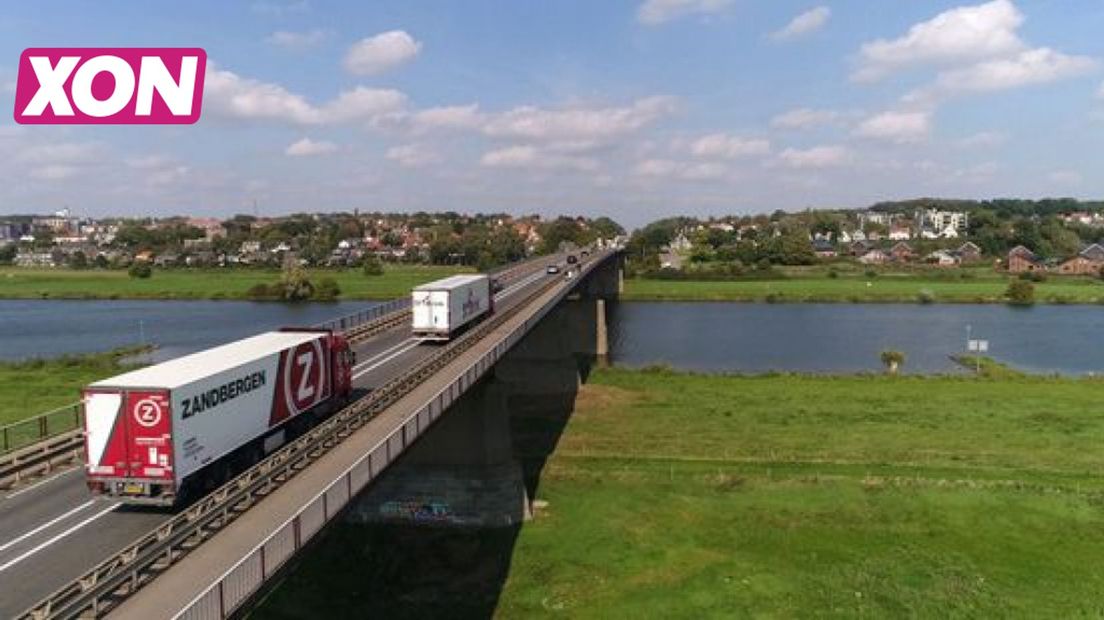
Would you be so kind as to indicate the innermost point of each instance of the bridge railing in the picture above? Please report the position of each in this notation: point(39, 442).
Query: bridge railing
point(23, 433)
point(355, 319)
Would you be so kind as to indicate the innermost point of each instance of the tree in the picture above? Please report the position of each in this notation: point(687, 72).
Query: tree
point(327, 290)
point(372, 266)
point(78, 260)
point(140, 269)
point(892, 360)
point(1020, 293)
point(294, 283)
point(100, 261)
point(7, 254)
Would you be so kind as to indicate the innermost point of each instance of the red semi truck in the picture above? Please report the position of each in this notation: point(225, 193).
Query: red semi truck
point(168, 432)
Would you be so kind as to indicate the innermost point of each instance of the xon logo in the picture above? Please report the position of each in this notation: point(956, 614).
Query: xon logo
point(110, 86)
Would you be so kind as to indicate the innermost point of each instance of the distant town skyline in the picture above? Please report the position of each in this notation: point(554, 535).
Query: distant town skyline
point(635, 110)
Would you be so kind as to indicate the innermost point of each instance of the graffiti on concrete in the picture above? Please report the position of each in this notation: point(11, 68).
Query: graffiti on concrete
point(417, 510)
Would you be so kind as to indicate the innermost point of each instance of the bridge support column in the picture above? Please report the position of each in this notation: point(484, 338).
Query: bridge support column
point(601, 345)
point(462, 473)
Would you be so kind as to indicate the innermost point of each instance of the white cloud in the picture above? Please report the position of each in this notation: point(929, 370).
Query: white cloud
point(729, 147)
point(362, 103)
point(670, 169)
point(964, 34)
point(230, 95)
point(1065, 177)
point(816, 157)
point(1100, 92)
point(412, 155)
point(653, 12)
point(53, 172)
point(1027, 68)
point(528, 156)
point(298, 41)
point(307, 147)
point(896, 126)
point(982, 139)
point(380, 53)
point(578, 123)
point(806, 23)
point(803, 118)
point(61, 153)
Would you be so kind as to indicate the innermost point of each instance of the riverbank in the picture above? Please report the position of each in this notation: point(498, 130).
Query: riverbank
point(19, 283)
point(690, 495)
point(857, 288)
point(36, 386)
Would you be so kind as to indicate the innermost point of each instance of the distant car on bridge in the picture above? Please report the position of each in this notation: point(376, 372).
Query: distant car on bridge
point(552, 269)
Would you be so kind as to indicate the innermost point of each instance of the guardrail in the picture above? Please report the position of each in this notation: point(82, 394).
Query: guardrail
point(355, 319)
point(120, 576)
point(41, 457)
point(23, 433)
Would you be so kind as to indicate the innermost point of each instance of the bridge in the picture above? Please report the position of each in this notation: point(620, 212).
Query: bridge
point(434, 418)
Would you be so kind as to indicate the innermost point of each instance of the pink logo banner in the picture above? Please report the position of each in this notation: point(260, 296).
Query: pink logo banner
point(110, 85)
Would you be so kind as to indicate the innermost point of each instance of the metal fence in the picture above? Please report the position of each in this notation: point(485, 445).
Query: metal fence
point(223, 597)
point(26, 432)
point(364, 316)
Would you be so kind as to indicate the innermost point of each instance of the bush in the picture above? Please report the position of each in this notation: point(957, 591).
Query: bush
point(892, 360)
point(327, 290)
point(832, 273)
point(870, 273)
point(372, 266)
point(140, 269)
point(1020, 293)
point(925, 296)
point(263, 291)
point(1033, 276)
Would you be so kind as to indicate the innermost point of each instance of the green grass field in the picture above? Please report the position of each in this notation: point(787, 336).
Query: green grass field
point(200, 283)
point(35, 387)
point(778, 496)
point(856, 288)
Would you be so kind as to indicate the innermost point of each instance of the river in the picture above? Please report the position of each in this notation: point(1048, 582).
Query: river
point(735, 337)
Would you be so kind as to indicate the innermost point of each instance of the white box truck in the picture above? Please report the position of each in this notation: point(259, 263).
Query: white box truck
point(188, 423)
point(441, 308)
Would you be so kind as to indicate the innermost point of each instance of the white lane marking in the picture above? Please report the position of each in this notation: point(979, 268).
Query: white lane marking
point(45, 525)
point(42, 482)
point(30, 552)
point(388, 359)
point(382, 353)
point(518, 286)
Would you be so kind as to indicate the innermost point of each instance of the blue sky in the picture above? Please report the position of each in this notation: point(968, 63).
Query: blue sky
point(637, 109)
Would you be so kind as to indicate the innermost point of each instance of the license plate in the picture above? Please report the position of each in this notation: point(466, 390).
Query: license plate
point(134, 489)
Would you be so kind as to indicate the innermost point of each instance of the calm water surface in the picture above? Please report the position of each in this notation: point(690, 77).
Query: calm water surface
point(850, 337)
point(48, 328)
point(734, 337)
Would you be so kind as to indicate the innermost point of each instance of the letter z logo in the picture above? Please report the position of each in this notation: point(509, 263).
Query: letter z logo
point(113, 86)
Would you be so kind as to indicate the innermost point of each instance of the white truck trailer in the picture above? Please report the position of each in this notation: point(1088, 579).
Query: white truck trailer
point(151, 431)
point(442, 308)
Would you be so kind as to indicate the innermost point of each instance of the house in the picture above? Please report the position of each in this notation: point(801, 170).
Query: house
point(858, 248)
point(681, 244)
point(670, 260)
point(939, 221)
point(942, 258)
point(899, 232)
point(874, 257)
point(1079, 266)
point(968, 252)
point(1023, 260)
point(824, 248)
point(1087, 262)
point(167, 259)
point(1093, 252)
point(35, 259)
point(901, 252)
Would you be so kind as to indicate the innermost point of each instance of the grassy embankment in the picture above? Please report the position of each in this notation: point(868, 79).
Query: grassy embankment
point(34, 387)
point(854, 285)
point(17, 283)
point(692, 496)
